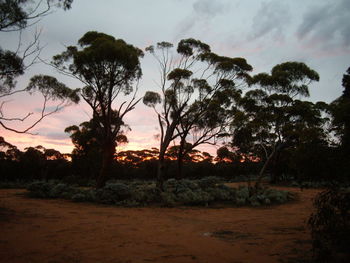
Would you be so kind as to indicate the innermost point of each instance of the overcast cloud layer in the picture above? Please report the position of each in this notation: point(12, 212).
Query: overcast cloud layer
point(266, 33)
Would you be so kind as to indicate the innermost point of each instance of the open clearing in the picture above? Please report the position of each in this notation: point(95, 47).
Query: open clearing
point(55, 231)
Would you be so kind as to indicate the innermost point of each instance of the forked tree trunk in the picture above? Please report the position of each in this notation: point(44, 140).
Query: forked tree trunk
point(161, 160)
point(275, 150)
point(107, 159)
point(262, 170)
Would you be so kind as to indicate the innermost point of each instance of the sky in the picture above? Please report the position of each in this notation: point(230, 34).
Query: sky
point(264, 32)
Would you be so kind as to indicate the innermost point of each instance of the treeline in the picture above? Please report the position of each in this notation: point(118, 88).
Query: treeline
point(39, 163)
point(304, 163)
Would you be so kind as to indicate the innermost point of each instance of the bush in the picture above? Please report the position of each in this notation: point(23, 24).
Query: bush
point(276, 196)
point(39, 189)
point(197, 197)
point(330, 226)
point(222, 193)
point(84, 196)
point(210, 181)
point(61, 190)
point(112, 193)
point(243, 193)
point(176, 192)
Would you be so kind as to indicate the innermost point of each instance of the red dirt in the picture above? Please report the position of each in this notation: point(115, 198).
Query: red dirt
point(53, 231)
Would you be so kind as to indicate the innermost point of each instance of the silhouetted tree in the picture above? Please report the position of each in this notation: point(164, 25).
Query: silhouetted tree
point(270, 118)
point(107, 67)
point(341, 113)
point(87, 153)
point(195, 88)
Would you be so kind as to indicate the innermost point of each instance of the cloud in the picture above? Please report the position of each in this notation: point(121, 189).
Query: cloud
point(203, 11)
point(209, 8)
point(327, 25)
point(271, 18)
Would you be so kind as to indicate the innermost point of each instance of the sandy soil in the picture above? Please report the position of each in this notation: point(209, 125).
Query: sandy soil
point(54, 231)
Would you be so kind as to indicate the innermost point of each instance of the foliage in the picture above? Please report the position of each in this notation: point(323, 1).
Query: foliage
point(270, 119)
point(40, 189)
point(340, 109)
point(330, 225)
point(108, 68)
point(204, 192)
point(112, 193)
point(51, 189)
point(15, 15)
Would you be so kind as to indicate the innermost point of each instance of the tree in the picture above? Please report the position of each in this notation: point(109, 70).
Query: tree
point(17, 15)
point(341, 113)
point(195, 88)
point(270, 118)
point(108, 68)
point(87, 152)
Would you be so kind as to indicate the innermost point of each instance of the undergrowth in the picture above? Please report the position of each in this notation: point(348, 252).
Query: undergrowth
point(203, 192)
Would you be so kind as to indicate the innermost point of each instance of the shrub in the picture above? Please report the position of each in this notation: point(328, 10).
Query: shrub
point(197, 197)
point(222, 193)
point(276, 196)
point(330, 226)
point(39, 189)
point(145, 194)
point(168, 199)
point(60, 190)
point(177, 192)
point(210, 181)
point(83, 196)
point(112, 193)
point(243, 193)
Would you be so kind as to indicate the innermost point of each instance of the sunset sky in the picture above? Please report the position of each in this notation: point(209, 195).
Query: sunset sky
point(266, 33)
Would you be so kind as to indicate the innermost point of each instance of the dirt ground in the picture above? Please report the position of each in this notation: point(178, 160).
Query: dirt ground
point(55, 231)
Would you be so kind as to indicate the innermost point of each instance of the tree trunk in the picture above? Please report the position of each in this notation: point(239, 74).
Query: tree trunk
point(107, 159)
point(179, 167)
point(180, 156)
point(160, 172)
point(262, 171)
point(276, 170)
point(275, 150)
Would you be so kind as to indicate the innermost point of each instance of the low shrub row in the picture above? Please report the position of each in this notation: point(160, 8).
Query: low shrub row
point(201, 192)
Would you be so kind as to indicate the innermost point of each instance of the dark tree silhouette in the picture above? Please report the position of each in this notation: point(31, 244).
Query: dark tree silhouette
point(108, 68)
point(196, 86)
point(341, 113)
point(270, 118)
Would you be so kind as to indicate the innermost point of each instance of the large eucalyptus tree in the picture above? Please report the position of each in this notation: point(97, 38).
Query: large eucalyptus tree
point(108, 69)
point(270, 117)
point(196, 86)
